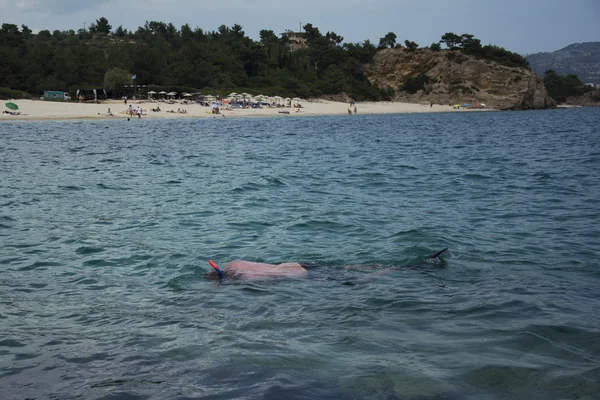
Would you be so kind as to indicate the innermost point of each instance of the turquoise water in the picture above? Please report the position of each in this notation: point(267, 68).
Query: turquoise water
point(106, 227)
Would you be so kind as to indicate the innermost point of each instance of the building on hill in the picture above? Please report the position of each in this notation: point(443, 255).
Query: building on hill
point(297, 40)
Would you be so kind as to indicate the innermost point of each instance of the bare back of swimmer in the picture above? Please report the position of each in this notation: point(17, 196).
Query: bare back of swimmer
point(248, 270)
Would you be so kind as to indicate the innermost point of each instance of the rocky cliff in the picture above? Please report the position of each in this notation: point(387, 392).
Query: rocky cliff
point(450, 77)
point(590, 99)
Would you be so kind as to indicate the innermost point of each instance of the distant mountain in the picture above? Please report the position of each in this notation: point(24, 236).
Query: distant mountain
point(581, 59)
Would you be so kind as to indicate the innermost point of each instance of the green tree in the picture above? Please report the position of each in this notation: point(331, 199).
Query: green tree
point(388, 40)
point(411, 46)
point(237, 31)
point(44, 35)
point(334, 38)
point(26, 31)
point(102, 26)
point(363, 53)
point(267, 36)
point(435, 46)
point(451, 40)
point(115, 79)
point(470, 44)
point(187, 33)
point(10, 29)
point(120, 32)
point(58, 35)
point(312, 32)
point(414, 84)
point(562, 87)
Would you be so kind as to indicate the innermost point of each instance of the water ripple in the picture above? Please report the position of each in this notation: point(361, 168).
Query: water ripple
point(105, 239)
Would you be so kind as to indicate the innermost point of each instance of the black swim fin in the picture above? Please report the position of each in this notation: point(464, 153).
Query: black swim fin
point(436, 255)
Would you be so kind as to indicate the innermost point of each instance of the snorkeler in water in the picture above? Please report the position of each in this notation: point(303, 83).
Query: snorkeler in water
point(248, 270)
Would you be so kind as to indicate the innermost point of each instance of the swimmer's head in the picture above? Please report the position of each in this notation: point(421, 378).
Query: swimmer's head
point(212, 275)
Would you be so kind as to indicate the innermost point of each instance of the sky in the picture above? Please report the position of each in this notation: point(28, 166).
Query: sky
point(522, 26)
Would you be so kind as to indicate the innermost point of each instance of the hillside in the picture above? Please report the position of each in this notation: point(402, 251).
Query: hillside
point(581, 59)
point(452, 77)
point(590, 99)
point(164, 58)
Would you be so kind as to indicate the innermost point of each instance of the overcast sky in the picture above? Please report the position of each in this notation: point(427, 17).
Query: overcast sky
point(524, 26)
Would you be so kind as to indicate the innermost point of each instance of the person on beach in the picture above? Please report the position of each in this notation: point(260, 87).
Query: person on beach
point(139, 112)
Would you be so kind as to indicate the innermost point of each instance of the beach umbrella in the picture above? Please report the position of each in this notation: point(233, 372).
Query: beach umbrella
point(187, 95)
point(163, 92)
point(151, 92)
point(12, 106)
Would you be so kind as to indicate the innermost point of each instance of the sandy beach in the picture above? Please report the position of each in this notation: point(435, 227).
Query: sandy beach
point(45, 110)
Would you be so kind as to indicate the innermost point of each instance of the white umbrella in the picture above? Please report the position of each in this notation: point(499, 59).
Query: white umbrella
point(151, 92)
point(163, 92)
point(187, 95)
point(234, 94)
point(172, 94)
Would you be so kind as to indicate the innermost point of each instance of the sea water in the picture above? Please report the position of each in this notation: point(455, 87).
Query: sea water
point(106, 228)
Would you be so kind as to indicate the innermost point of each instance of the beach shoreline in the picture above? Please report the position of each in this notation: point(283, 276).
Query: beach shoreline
point(32, 110)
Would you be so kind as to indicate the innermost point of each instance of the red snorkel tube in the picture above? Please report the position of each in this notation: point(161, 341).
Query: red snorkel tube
point(212, 264)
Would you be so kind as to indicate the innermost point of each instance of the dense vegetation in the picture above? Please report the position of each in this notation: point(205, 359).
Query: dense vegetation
point(164, 57)
point(468, 44)
point(560, 87)
point(184, 59)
